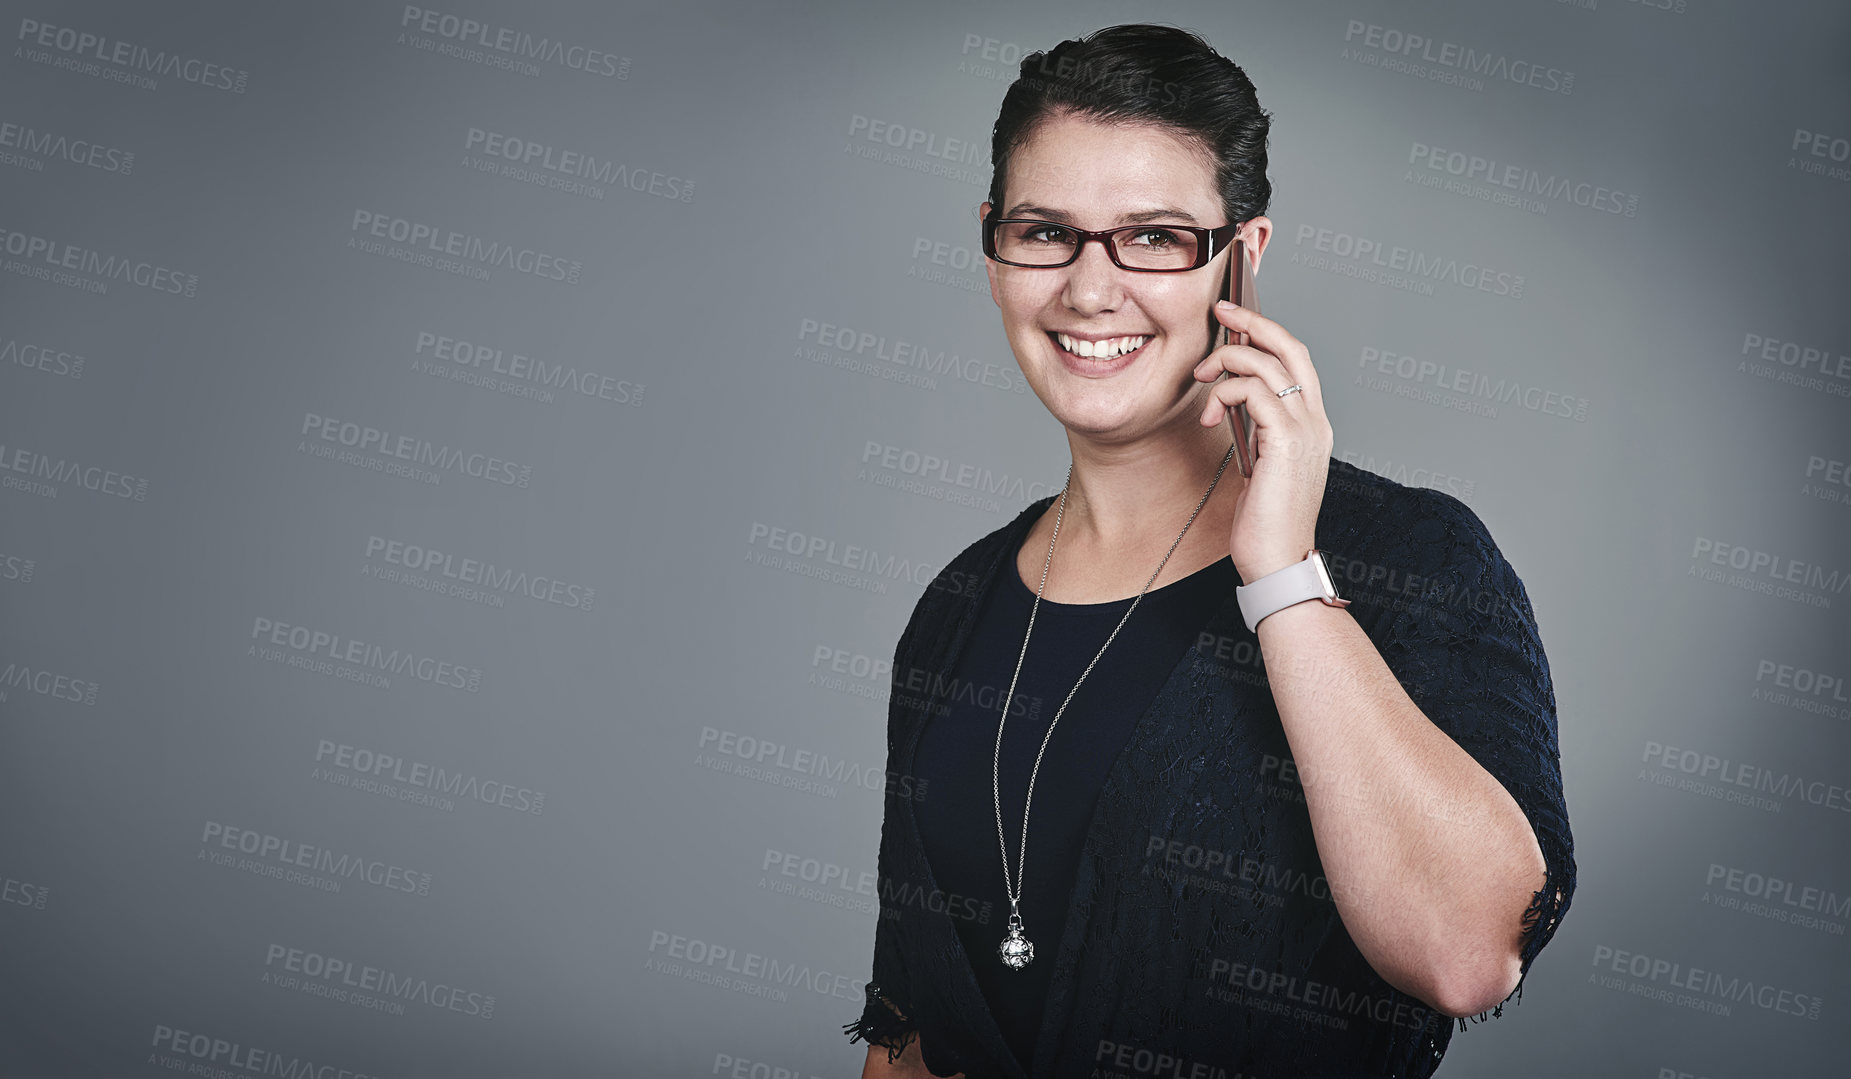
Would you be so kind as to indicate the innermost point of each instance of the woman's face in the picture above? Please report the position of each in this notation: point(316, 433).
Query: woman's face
point(1098, 176)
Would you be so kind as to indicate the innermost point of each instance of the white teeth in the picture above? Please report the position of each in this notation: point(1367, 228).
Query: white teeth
point(1107, 349)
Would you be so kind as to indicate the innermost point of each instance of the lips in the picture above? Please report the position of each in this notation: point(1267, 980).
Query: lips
point(1099, 348)
point(1099, 366)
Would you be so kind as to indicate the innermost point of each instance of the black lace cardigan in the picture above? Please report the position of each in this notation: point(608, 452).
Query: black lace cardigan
point(1201, 939)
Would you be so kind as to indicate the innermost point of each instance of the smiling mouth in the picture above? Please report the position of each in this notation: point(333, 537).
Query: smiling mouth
point(1109, 349)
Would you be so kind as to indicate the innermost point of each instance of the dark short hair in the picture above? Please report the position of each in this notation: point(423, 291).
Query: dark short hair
point(1145, 73)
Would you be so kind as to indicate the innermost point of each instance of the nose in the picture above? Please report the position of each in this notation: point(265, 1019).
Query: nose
point(1093, 285)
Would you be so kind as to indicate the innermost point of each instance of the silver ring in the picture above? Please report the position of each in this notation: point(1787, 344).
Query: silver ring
point(1292, 389)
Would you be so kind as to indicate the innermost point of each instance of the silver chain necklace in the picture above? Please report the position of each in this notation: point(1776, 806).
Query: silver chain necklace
point(1016, 951)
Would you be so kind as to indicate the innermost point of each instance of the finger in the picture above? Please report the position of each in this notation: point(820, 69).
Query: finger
point(1266, 407)
point(1245, 360)
point(1269, 337)
point(1285, 440)
point(1265, 334)
point(1253, 363)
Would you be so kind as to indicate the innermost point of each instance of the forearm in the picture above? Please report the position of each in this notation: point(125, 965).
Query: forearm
point(1429, 859)
point(909, 1066)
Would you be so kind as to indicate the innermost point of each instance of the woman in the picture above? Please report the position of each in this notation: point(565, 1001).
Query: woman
point(1293, 849)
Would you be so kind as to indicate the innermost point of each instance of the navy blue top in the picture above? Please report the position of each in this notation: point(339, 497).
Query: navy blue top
point(957, 824)
point(1198, 935)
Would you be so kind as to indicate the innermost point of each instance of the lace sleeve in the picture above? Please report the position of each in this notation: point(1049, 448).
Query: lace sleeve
point(1462, 637)
point(886, 1015)
point(884, 1018)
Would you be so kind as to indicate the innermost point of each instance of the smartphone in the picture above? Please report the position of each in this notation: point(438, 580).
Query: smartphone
point(1238, 290)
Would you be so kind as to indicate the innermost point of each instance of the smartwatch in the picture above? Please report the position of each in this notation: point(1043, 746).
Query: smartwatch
point(1296, 583)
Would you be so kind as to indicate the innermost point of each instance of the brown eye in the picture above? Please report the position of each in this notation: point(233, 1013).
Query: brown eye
point(1156, 238)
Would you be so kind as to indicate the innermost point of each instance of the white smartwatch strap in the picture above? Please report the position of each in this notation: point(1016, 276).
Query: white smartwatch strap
point(1282, 588)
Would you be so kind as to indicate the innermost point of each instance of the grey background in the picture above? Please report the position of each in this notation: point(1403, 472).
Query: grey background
point(708, 308)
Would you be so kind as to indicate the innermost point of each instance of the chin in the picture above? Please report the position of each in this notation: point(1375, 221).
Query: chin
point(1100, 412)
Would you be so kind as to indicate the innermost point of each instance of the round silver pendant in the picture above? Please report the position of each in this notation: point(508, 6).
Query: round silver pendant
point(1016, 951)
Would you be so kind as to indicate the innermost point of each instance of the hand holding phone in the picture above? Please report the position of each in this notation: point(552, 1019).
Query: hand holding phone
point(1238, 290)
point(1276, 519)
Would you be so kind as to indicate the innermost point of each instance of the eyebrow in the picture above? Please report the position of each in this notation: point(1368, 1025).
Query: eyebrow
point(1045, 213)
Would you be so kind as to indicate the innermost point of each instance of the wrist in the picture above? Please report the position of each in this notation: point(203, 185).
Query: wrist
point(1272, 561)
point(1305, 578)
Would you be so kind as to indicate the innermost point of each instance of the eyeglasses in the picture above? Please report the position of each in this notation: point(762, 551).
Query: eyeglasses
point(1016, 241)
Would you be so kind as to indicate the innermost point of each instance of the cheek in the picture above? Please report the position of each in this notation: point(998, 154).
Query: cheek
point(1185, 313)
point(1022, 299)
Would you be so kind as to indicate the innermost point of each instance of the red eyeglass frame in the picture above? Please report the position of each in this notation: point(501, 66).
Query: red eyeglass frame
point(1209, 242)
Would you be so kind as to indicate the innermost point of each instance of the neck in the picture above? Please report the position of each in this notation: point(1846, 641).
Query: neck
point(1127, 497)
